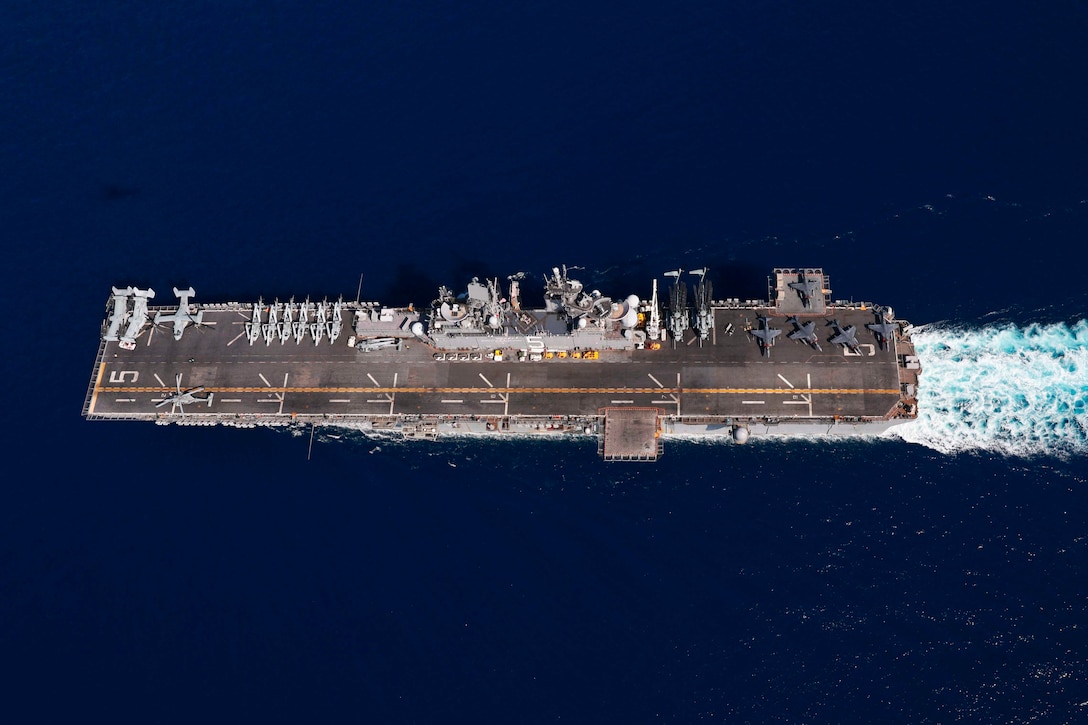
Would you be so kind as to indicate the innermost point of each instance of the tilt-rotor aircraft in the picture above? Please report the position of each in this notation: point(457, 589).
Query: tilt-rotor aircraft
point(183, 317)
point(806, 288)
point(845, 336)
point(805, 332)
point(766, 335)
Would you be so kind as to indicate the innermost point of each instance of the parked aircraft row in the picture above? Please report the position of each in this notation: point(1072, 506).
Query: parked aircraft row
point(138, 317)
point(806, 333)
point(295, 319)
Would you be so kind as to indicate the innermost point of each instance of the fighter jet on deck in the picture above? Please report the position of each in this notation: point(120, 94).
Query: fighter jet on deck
point(806, 333)
point(766, 335)
point(884, 332)
point(845, 336)
point(806, 288)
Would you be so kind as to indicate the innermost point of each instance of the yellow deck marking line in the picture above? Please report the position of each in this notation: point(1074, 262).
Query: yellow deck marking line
point(97, 388)
point(560, 391)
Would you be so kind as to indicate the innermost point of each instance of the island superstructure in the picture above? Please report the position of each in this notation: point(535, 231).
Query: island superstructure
point(629, 370)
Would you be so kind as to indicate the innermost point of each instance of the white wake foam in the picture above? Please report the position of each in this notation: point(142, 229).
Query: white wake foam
point(1020, 391)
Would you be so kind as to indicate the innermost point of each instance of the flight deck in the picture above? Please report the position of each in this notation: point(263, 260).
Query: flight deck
point(380, 369)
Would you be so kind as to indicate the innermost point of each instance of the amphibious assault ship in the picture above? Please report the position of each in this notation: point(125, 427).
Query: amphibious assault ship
point(631, 371)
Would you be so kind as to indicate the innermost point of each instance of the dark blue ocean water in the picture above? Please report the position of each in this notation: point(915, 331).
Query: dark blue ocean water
point(928, 157)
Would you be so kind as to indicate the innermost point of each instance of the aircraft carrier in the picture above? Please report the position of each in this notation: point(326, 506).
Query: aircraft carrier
point(631, 371)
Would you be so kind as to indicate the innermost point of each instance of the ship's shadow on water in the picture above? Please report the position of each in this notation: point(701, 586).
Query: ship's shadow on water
point(569, 454)
point(402, 283)
point(729, 278)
